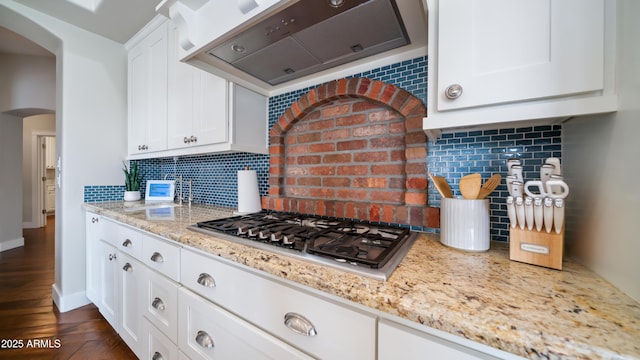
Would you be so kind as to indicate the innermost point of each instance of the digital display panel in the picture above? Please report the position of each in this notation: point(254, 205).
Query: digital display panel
point(159, 190)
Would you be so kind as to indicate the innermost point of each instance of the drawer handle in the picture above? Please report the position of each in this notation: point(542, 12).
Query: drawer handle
point(206, 280)
point(94, 220)
point(127, 267)
point(157, 257)
point(127, 243)
point(112, 257)
point(158, 304)
point(157, 356)
point(299, 324)
point(203, 339)
point(453, 91)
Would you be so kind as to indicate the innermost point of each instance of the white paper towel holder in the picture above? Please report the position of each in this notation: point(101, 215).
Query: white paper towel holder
point(248, 192)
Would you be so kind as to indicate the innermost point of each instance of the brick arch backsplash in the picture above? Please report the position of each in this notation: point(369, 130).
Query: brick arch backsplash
point(352, 148)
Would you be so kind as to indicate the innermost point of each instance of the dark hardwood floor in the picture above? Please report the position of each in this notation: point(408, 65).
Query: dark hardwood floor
point(31, 322)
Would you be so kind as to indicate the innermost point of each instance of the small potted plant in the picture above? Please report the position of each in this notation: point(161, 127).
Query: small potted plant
point(131, 182)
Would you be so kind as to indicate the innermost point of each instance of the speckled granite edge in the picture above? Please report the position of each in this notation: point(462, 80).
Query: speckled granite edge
point(527, 310)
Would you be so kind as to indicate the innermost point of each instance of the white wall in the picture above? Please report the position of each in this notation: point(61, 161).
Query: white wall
point(38, 125)
point(10, 182)
point(602, 159)
point(91, 130)
point(28, 82)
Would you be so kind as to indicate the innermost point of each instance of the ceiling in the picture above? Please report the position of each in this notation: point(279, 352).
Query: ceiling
point(117, 20)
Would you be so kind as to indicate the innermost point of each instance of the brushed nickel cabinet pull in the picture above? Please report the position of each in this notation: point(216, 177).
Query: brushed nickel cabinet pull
point(158, 304)
point(127, 267)
point(299, 324)
point(206, 280)
point(157, 257)
point(157, 356)
point(203, 339)
point(127, 243)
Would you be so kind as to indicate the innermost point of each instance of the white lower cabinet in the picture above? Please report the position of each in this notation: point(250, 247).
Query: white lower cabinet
point(207, 331)
point(307, 321)
point(160, 304)
point(156, 345)
point(131, 277)
point(109, 294)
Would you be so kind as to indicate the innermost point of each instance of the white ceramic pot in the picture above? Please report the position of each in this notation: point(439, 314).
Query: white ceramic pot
point(465, 224)
point(131, 195)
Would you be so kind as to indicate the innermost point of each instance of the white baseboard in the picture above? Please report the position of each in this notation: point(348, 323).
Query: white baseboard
point(11, 244)
point(68, 302)
point(29, 225)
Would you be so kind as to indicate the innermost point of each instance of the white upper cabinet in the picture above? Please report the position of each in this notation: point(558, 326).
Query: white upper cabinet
point(147, 84)
point(496, 61)
point(177, 109)
point(198, 103)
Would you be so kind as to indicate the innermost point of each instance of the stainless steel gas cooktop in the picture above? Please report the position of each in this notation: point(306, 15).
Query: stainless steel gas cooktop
point(364, 248)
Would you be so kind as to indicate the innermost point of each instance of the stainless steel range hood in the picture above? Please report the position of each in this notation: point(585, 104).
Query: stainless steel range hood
point(311, 36)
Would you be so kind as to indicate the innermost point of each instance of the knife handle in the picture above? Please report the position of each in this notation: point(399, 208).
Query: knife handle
point(548, 214)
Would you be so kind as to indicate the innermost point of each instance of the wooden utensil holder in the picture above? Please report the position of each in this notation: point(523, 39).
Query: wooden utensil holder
point(536, 247)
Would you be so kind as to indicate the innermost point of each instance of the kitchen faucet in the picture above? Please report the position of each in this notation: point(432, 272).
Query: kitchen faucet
point(178, 178)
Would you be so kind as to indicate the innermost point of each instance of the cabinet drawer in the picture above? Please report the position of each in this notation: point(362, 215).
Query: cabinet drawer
point(156, 345)
point(129, 241)
point(161, 256)
point(160, 304)
point(340, 332)
point(208, 332)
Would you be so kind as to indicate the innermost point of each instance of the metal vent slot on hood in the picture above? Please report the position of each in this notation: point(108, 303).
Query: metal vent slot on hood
point(319, 37)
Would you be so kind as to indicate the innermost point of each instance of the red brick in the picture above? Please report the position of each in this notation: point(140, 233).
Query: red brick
point(309, 159)
point(309, 181)
point(279, 204)
point(370, 130)
point(432, 215)
point(351, 145)
point(297, 128)
point(417, 183)
point(291, 160)
point(376, 89)
point(387, 196)
point(296, 191)
point(387, 94)
point(297, 149)
point(416, 215)
point(361, 106)
point(388, 213)
point(264, 201)
point(384, 115)
point(276, 170)
point(400, 98)
point(322, 170)
point(332, 90)
point(353, 170)
point(312, 97)
point(333, 111)
point(320, 208)
point(336, 158)
point(351, 194)
point(291, 181)
point(276, 160)
point(321, 92)
point(397, 183)
point(374, 213)
point(362, 211)
point(397, 155)
point(274, 190)
point(297, 171)
point(275, 130)
point(374, 156)
point(416, 137)
point(336, 182)
point(276, 149)
point(398, 127)
point(350, 210)
point(387, 169)
point(352, 85)
point(419, 168)
point(290, 140)
point(410, 105)
point(336, 134)
point(322, 124)
point(342, 87)
point(351, 120)
point(313, 115)
point(387, 142)
point(380, 183)
point(402, 215)
point(413, 123)
point(297, 110)
point(413, 153)
point(415, 198)
point(309, 137)
point(321, 148)
point(363, 87)
point(322, 193)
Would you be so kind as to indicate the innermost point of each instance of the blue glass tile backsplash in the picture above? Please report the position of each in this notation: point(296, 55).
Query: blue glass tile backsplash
point(214, 177)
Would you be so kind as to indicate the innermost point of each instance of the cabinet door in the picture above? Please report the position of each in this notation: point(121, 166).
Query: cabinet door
point(131, 278)
point(206, 331)
point(93, 233)
point(400, 342)
point(503, 51)
point(211, 115)
point(109, 284)
point(156, 345)
point(181, 97)
point(137, 85)
point(160, 303)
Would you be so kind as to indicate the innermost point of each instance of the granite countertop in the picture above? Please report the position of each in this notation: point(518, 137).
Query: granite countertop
point(523, 309)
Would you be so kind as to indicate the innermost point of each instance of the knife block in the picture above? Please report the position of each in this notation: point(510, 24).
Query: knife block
point(536, 247)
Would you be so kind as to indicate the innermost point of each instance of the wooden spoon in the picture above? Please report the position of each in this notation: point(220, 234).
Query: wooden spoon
point(441, 184)
point(489, 186)
point(470, 185)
